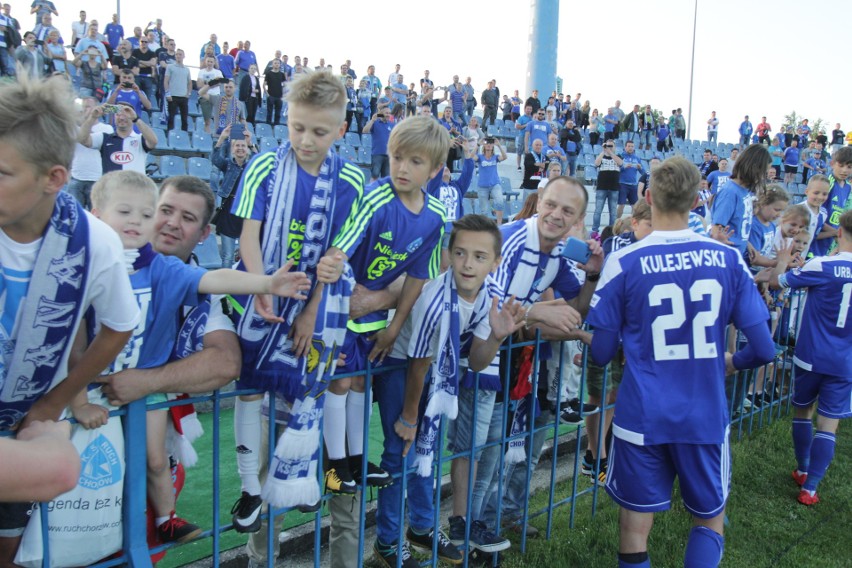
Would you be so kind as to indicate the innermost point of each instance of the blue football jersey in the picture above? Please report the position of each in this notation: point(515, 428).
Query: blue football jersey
point(671, 297)
point(824, 342)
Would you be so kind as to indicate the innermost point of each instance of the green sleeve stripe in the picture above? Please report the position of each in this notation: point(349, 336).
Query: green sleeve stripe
point(435, 260)
point(252, 179)
point(354, 171)
point(367, 327)
point(351, 232)
point(353, 181)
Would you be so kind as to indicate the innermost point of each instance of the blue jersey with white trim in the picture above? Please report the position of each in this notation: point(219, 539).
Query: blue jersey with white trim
point(824, 342)
point(671, 297)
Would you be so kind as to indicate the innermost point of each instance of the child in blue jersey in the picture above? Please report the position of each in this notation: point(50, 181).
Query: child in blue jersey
point(791, 162)
point(816, 194)
point(404, 402)
point(296, 200)
point(813, 165)
point(401, 233)
point(770, 204)
point(704, 197)
point(451, 193)
point(127, 201)
point(670, 299)
point(821, 382)
point(488, 187)
point(716, 180)
point(733, 207)
point(839, 199)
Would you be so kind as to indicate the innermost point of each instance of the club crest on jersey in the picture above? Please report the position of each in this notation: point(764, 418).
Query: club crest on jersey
point(414, 245)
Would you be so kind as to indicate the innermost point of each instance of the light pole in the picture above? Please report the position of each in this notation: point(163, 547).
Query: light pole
point(692, 73)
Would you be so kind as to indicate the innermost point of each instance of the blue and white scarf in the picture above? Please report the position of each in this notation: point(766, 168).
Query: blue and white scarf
point(294, 465)
point(50, 313)
point(442, 397)
point(268, 348)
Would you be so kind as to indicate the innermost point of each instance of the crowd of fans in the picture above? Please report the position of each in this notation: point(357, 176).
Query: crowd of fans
point(366, 239)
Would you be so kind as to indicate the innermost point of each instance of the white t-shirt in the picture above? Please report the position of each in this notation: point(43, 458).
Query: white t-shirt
point(86, 165)
point(208, 76)
point(107, 288)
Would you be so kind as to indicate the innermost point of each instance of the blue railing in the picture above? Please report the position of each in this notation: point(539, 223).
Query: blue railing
point(136, 553)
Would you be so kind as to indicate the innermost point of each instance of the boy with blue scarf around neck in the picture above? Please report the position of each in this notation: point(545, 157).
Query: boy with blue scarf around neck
point(51, 251)
point(127, 201)
point(456, 323)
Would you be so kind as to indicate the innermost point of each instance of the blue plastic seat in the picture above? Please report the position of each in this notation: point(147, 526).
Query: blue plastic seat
point(199, 167)
point(180, 141)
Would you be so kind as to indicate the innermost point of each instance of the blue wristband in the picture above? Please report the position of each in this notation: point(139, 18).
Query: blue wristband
point(404, 423)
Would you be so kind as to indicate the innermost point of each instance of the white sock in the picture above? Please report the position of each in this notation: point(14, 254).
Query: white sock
point(247, 437)
point(160, 520)
point(334, 427)
point(355, 422)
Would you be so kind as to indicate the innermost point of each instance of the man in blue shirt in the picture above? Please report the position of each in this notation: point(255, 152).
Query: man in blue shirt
point(521, 127)
point(746, 128)
point(670, 298)
point(114, 32)
point(628, 181)
point(536, 129)
point(821, 381)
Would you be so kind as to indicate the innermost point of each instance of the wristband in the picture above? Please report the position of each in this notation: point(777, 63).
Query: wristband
point(135, 120)
point(593, 277)
point(402, 421)
point(526, 315)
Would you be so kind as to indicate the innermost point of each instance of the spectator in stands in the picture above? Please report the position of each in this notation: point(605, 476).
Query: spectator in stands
point(470, 101)
point(375, 87)
point(91, 40)
point(214, 43)
point(92, 72)
point(708, 165)
point(712, 127)
point(506, 108)
point(273, 86)
point(41, 8)
point(804, 133)
point(7, 59)
point(177, 84)
point(490, 100)
point(86, 167)
point(276, 57)
point(457, 100)
point(536, 129)
point(114, 32)
point(427, 92)
point(628, 181)
point(520, 129)
point(365, 97)
point(127, 91)
point(489, 189)
point(123, 58)
point(244, 59)
point(597, 127)
point(763, 130)
point(411, 101)
point(399, 92)
point(54, 53)
point(837, 137)
point(79, 29)
point(147, 67)
point(394, 77)
point(30, 56)
point(745, 130)
point(46, 234)
point(230, 156)
point(611, 123)
point(124, 149)
point(455, 129)
point(632, 124)
point(572, 143)
point(225, 62)
point(664, 141)
point(250, 92)
point(679, 127)
point(380, 128)
point(533, 101)
point(134, 39)
point(43, 28)
point(649, 126)
point(607, 191)
point(534, 163)
point(205, 76)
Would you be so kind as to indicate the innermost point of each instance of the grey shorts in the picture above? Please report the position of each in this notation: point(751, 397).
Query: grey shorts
point(460, 432)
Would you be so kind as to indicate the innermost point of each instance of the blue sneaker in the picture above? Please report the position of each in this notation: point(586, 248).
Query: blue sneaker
point(484, 540)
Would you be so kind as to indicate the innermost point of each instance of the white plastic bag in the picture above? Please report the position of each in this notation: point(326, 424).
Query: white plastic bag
point(85, 523)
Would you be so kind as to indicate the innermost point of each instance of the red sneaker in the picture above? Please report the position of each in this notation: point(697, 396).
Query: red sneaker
point(805, 498)
point(799, 478)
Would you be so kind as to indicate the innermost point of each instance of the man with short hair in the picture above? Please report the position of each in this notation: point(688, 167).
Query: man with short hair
point(207, 74)
point(490, 100)
point(745, 130)
point(244, 59)
point(225, 62)
point(114, 32)
point(536, 129)
point(679, 126)
point(395, 76)
point(273, 85)
point(375, 86)
point(213, 42)
point(572, 142)
point(763, 130)
point(712, 127)
point(86, 167)
point(79, 29)
point(177, 84)
point(123, 150)
point(134, 39)
point(91, 40)
point(427, 92)
point(44, 28)
point(227, 109)
point(632, 124)
point(147, 67)
point(470, 100)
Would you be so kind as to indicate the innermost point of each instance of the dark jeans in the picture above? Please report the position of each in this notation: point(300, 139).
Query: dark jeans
point(273, 107)
point(179, 104)
point(251, 109)
point(489, 111)
point(146, 84)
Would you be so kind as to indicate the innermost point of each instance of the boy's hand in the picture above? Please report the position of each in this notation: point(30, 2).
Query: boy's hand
point(123, 387)
point(290, 284)
point(784, 254)
point(263, 306)
point(562, 317)
point(330, 268)
point(721, 234)
point(407, 434)
point(729, 365)
point(506, 321)
point(90, 416)
point(303, 330)
point(763, 276)
point(595, 262)
point(383, 343)
point(42, 410)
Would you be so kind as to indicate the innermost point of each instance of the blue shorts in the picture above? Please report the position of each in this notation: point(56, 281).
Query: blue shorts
point(640, 478)
point(833, 394)
point(627, 194)
point(356, 347)
point(460, 432)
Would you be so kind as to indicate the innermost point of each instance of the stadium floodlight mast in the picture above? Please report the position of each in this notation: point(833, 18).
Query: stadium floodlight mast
point(692, 72)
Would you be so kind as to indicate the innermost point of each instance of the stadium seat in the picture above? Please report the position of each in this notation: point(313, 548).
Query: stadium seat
point(202, 141)
point(263, 130)
point(170, 166)
point(591, 174)
point(267, 144)
point(199, 167)
point(367, 140)
point(353, 139)
point(281, 132)
point(348, 152)
point(364, 157)
point(162, 138)
point(180, 141)
point(207, 253)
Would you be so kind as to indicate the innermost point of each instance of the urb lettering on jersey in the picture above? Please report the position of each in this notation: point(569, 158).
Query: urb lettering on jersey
point(682, 261)
point(843, 272)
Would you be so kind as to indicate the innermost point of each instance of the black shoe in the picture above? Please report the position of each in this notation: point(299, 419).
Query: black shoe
point(376, 476)
point(387, 555)
point(177, 530)
point(246, 513)
point(568, 416)
point(338, 479)
point(447, 551)
point(574, 404)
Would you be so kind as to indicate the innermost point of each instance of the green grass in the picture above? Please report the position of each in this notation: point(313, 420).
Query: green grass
point(196, 499)
point(768, 528)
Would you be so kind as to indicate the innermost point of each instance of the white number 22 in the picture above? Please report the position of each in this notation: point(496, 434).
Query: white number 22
point(701, 348)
